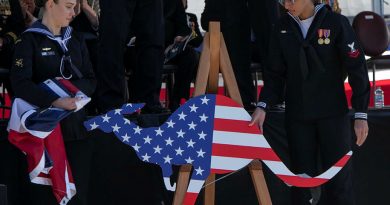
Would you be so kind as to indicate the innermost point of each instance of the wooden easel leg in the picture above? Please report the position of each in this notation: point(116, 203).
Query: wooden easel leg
point(203, 68)
point(215, 58)
point(215, 39)
point(258, 179)
point(182, 184)
point(209, 192)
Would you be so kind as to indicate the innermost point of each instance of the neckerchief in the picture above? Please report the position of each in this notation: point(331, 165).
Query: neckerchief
point(62, 42)
point(307, 51)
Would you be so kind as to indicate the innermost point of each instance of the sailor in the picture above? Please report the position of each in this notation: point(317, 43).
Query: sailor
point(311, 49)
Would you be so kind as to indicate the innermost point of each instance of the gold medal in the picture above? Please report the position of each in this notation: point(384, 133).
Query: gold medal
point(320, 35)
point(327, 41)
point(327, 35)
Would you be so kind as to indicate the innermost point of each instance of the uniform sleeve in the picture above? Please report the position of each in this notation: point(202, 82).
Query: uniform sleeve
point(21, 76)
point(88, 83)
point(355, 64)
point(273, 74)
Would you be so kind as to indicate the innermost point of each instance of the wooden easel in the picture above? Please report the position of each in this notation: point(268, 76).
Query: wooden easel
point(213, 60)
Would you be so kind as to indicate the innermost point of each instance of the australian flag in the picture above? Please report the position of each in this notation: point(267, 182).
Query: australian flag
point(37, 133)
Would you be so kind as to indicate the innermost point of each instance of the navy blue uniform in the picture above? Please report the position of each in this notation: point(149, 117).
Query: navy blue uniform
point(310, 71)
point(235, 26)
point(39, 57)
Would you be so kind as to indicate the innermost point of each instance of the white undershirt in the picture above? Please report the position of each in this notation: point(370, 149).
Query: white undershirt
point(305, 25)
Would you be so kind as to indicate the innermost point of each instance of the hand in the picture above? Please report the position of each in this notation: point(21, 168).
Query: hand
point(90, 13)
point(24, 7)
point(85, 7)
point(84, 3)
point(77, 9)
point(361, 131)
point(179, 39)
point(66, 103)
point(30, 19)
point(27, 5)
point(258, 118)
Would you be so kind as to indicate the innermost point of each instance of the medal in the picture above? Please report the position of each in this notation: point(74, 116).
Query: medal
point(327, 35)
point(320, 35)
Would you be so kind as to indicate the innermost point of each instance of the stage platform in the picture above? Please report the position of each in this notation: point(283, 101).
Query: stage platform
point(117, 176)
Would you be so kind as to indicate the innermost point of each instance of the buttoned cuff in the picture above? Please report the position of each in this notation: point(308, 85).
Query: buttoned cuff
point(262, 105)
point(360, 116)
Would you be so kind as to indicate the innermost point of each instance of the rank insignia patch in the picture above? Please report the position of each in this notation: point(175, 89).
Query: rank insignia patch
point(354, 53)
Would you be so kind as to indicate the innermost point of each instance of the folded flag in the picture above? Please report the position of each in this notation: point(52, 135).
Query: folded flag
point(37, 133)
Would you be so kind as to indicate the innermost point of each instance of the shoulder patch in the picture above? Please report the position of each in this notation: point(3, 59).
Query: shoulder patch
point(18, 41)
point(354, 53)
point(19, 62)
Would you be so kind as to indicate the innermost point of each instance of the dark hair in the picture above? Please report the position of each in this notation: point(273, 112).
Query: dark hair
point(41, 3)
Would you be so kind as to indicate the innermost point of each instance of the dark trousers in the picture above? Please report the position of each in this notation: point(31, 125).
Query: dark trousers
point(317, 145)
point(236, 29)
point(118, 177)
point(264, 14)
point(145, 18)
point(237, 38)
point(187, 63)
point(13, 172)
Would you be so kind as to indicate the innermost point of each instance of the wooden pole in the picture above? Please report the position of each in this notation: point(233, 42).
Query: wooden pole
point(215, 59)
point(182, 184)
point(215, 39)
point(258, 179)
point(203, 68)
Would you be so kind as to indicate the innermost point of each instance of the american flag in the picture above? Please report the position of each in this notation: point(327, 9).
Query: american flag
point(211, 133)
point(37, 133)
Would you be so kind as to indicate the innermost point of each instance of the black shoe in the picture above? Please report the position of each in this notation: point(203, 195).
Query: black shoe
point(173, 106)
point(154, 109)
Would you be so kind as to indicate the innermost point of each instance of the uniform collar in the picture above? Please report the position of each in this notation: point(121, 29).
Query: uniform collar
point(38, 27)
point(66, 61)
point(66, 32)
point(317, 8)
point(319, 16)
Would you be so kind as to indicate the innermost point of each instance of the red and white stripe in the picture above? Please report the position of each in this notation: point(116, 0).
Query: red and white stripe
point(34, 143)
point(235, 145)
point(193, 190)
